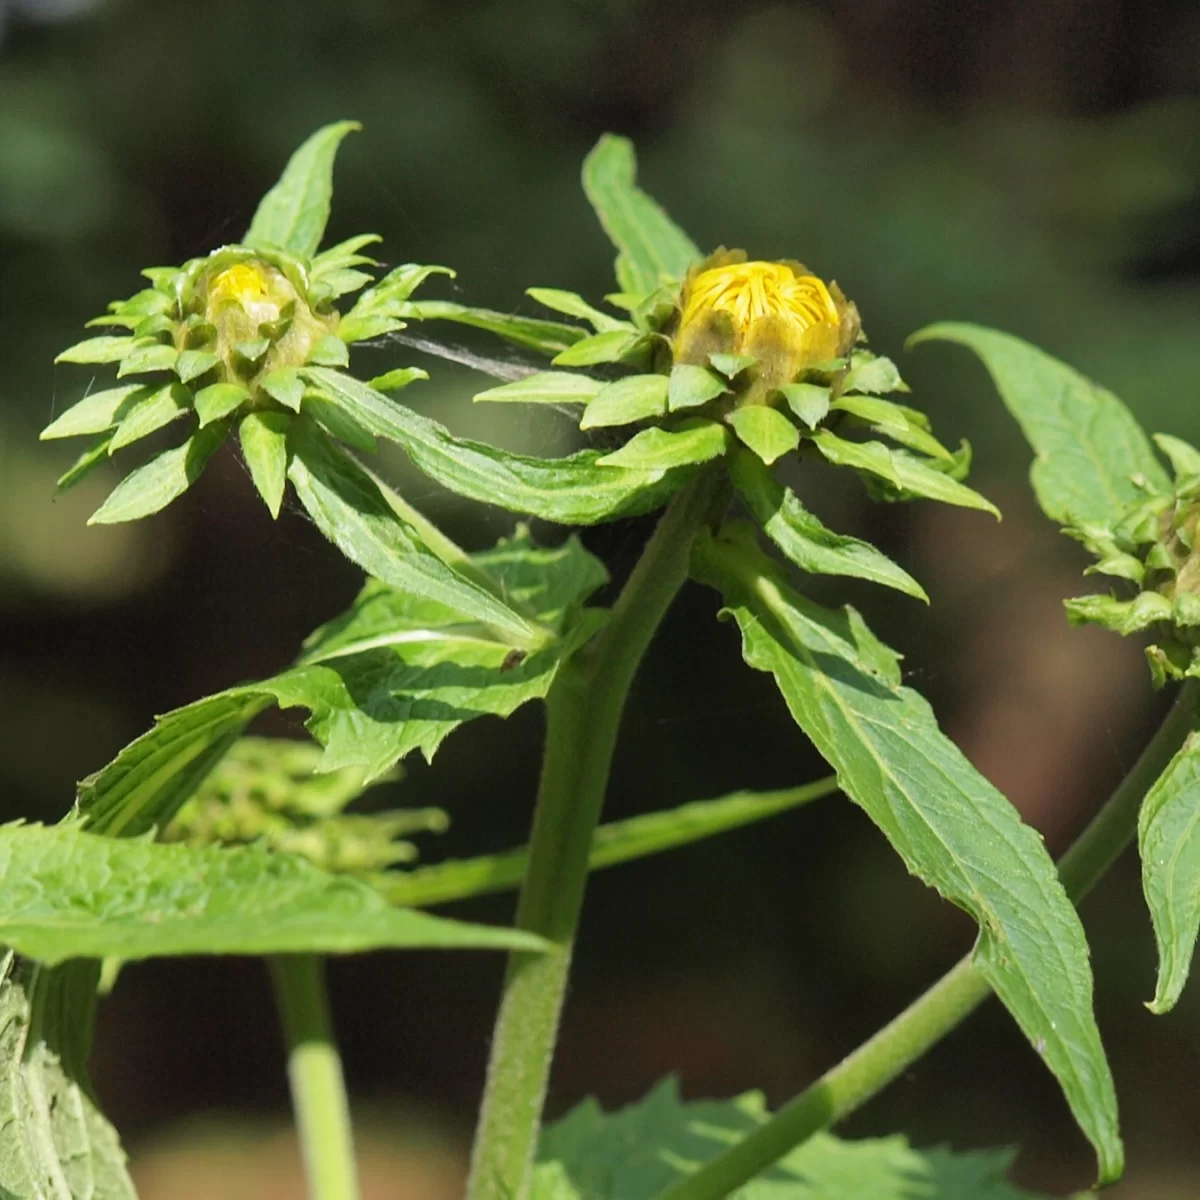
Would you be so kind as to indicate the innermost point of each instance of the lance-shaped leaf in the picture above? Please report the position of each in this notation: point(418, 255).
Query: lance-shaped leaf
point(653, 249)
point(72, 894)
point(349, 510)
point(618, 842)
point(905, 472)
point(97, 412)
point(694, 441)
point(574, 305)
point(951, 827)
point(294, 213)
point(546, 337)
point(55, 1143)
point(545, 387)
point(1093, 459)
point(641, 1151)
point(572, 491)
point(804, 539)
point(1169, 844)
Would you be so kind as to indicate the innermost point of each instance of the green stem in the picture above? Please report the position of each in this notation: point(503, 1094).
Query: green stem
point(583, 713)
point(869, 1069)
point(315, 1075)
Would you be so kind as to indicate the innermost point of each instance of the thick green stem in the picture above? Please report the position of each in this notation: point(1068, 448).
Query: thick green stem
point(870, 1068)
point(583, 713)
point(315, 1075)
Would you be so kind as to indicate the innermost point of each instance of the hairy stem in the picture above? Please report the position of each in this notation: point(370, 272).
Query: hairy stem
point(315, 1076)
point(869, 1069)
point(583, 713)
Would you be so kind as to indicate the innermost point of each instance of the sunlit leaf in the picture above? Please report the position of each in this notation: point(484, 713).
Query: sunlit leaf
point(96, 412)
point(662, 449)
point(263, 437)
point(764, 430)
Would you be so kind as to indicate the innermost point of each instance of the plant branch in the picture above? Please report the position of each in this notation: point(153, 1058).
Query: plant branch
point(583, 714)
point(315, 1076)
point(869, 1069)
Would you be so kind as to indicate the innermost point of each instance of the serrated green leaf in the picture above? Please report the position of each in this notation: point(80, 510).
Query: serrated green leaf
point(901, 424)
point(545, 387)
point(191, 364)
point(662, 449)
point(692, 386)
point(294, 213)
point(96, 413)
point(152, 357)
point(951, 827)
point(1093, 459)
point(218, 400)
point(808, 401)
point(634, 398)
point(609, 347)
point(618, 842)
point(55, 1143)
point(97, 350)
point(72, 894)
point(330, 351)
point(1169, 846)
point(547, 337)
point(151, 413)
point(765, 430)
point(285, 385)
point(873, 375)
point(652, 248)
point(85, 464)
point(804, 539)
point(263, 437)
point(641, 1151)
point(1183, 457)
point(901, 470)
point(572, 490)
point(576, 306)
point(348, 509)
point(153, 486)
point(393, 381)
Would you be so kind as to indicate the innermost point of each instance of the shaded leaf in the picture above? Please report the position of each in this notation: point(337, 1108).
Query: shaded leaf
point(547, 337)
point(263, 437)
point(151, 413)
point(640, 1151)
point(294, 213)
point(951, 827)
point(652, 248)
point(804, 539)
point(808, 401)
point(904, 425)
point(218, 400)
point(1093, 459)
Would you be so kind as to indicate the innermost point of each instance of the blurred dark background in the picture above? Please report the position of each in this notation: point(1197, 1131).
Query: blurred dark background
point(1031, 164)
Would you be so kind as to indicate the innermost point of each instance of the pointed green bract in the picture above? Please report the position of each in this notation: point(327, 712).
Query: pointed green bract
point(545, 387)
point(294, 213)
point(951, 827)
point(903, 471)
point(263, 437)
point(764, 430)
point(634, 398)
point(572, 491)
point(808, 401)
point(1169, 845)
point(610, 347)
point(902, 424)
point(804, 539)
point(151, 413)
point(576, 306)
point(218, 400)
point(55, 1143)
point(693, 387)
point(1093, 460)
point(72, 894)
point(97, 350)
point(619, 842)
point(152, 487)
point(662, 449)
point(640, 1151)
point(96, 413)
point(652, 248)
point(349, 510)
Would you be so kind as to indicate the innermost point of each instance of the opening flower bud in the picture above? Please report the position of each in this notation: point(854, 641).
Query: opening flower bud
point(775, 312)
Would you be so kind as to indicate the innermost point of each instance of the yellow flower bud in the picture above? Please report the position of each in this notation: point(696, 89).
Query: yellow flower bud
point(775, 312)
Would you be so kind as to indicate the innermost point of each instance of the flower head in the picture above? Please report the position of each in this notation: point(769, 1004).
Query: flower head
point(775, 312)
